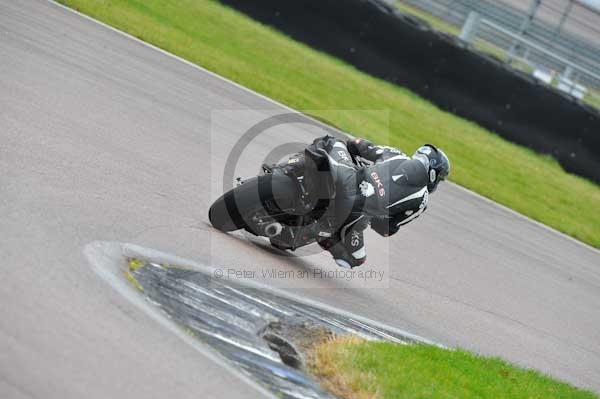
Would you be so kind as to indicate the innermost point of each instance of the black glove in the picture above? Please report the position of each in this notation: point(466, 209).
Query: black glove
point(359, 147)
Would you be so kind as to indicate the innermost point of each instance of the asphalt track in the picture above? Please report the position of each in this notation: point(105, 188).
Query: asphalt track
point(104, 138)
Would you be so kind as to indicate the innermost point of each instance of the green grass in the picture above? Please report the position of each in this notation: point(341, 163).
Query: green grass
point(263, 59)
point(593, 98)
point(435, 22)
point(355, 369)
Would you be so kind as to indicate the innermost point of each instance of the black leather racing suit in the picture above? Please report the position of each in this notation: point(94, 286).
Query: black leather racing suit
point(386, 194)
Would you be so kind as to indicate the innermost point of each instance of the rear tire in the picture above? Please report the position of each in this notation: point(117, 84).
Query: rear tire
point(234, 209)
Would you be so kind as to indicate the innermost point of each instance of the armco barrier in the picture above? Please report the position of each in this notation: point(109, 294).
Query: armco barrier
point(401, 49)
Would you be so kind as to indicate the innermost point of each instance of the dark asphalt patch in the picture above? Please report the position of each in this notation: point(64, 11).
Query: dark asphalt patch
point(249, 327)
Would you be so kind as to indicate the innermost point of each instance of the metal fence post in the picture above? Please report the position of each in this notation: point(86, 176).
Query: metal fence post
point(533, 8)
point(469, 29)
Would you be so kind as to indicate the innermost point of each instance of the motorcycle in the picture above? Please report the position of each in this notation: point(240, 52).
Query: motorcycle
point(288, 203)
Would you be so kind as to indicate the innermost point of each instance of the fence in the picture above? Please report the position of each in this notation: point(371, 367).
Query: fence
point(558, 43)
point(530, 57)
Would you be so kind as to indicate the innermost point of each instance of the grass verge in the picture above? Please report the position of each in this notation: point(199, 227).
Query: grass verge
point(352, 368)
point(435, 22)
point(265, 60)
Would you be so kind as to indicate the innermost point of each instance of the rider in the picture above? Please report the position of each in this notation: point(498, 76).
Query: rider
point(391, 190)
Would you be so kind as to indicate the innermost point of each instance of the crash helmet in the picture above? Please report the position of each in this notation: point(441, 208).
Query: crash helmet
point(437, 163)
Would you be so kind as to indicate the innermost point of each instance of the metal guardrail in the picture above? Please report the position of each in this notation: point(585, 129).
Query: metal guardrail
point(542, 60)
point(541, 49)
point(563, 61)
point(580, 50)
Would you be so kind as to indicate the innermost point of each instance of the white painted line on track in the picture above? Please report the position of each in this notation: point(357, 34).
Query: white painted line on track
point(527, 218)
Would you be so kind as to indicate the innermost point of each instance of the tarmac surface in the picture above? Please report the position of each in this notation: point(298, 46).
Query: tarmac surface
point(105, 138)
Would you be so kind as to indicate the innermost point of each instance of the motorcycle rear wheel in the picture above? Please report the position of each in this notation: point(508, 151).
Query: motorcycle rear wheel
point(235, 209)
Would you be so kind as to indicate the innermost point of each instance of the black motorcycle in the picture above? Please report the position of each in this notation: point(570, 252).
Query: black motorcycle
point(289, 202)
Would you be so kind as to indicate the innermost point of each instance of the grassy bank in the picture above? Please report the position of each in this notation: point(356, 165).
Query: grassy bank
point(227, 42)
point(355, 369)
